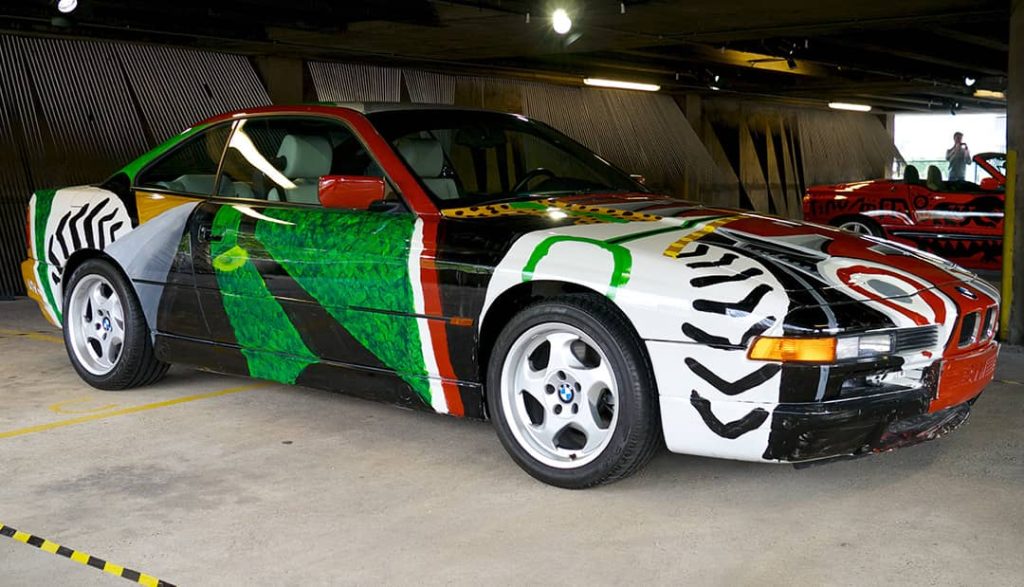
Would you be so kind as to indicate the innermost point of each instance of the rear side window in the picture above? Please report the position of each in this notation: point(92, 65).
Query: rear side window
point(191, 168)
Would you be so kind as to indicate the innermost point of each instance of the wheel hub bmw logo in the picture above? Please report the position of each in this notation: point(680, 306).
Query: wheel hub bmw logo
point(565, 393)
point(106, 324)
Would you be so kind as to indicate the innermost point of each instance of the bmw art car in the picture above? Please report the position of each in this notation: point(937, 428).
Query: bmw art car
point(961, 221)
point(484, 265)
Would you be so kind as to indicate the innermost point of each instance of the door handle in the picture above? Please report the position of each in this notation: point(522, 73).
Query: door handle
point(206, 235)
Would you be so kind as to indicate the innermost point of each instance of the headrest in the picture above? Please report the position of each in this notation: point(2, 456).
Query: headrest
point(305, 156)
point(911, 174)
point(934, 174)
point(424, 155)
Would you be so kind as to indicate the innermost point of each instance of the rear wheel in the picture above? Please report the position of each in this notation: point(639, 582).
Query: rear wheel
point(571, 394)
point(860, 225)
point(105, 331)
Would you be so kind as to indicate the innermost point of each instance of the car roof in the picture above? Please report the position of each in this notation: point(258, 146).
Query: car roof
point(361, 107)
point(371, 107)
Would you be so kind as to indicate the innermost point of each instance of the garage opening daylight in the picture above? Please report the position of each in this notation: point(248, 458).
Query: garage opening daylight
point(650, 284)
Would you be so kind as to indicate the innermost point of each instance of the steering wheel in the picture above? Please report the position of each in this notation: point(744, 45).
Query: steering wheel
point(531, 175)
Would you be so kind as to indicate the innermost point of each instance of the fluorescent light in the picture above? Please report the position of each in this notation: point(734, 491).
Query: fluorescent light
point(560, 21)
point(67, 6)
point(614, 83)
point(979, 93)
point(849, 106)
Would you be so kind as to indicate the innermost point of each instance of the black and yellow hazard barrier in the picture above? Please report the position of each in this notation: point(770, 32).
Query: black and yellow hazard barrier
point(83, 558)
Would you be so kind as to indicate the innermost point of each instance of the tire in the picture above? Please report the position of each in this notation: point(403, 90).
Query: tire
point(593, 376)
point(100, 309)
point(859, 225)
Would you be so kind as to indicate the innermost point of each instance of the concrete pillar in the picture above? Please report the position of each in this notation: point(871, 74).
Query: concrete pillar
point(889, 122)
point(692, 109)
point(1013, 243)
point(284, 78)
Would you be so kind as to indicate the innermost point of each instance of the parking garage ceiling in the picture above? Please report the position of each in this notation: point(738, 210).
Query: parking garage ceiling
point(914, 55)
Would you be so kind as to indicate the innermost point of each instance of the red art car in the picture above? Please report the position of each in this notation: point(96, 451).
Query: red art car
point(961, 221)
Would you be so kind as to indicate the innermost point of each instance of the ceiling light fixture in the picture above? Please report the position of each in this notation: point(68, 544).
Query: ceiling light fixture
point(67, 6)
point(560, 21)
point(621, 85)
point(980, 93)
point(849, 106)
point(969, 81)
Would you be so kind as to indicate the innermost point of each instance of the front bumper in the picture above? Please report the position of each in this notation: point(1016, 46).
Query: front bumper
point(850, 428)
point(724, 406)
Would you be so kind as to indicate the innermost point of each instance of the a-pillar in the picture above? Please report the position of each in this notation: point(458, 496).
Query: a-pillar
point(1013, 244)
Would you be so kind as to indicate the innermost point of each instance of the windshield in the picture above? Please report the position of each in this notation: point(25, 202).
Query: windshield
point(465, 157)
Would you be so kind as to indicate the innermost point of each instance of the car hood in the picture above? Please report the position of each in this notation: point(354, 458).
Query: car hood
point(801, 256)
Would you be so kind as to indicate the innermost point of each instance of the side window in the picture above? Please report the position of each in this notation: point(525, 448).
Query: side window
point(192, 167)
point(282, 159)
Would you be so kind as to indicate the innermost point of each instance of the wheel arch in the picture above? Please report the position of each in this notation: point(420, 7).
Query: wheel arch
point(516, 298)
point(77, 259)
point(862, 218)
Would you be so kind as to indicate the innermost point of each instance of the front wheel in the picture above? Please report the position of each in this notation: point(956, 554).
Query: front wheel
point(105, 331)
point(571, 395)
point(860, 225)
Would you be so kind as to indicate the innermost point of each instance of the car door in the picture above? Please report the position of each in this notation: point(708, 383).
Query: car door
point(301, 293)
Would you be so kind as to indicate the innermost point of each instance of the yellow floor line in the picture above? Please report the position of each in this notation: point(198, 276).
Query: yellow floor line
point(32, 335)
point(131, 410)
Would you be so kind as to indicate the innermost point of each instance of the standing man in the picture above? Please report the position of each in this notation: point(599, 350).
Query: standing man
point(958, 156)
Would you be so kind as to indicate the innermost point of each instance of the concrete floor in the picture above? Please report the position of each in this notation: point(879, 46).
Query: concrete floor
point(279, 485)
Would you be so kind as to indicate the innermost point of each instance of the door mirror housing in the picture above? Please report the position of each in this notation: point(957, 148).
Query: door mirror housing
point(351, 192)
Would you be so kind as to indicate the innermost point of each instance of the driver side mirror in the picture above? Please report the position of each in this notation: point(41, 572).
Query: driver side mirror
point(351, 192)
point(991, 183)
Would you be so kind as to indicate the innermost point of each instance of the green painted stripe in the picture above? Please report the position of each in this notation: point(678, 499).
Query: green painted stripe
point(622, 258)
point(346, 258)
point(43, 205)
point(270, 343)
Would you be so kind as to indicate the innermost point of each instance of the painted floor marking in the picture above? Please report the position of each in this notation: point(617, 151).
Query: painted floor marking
point(131, 410)
point(83, 558)
point(40, 336)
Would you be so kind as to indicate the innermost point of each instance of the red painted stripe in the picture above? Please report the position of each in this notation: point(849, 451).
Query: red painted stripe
point(432, 306)
point(924, 292)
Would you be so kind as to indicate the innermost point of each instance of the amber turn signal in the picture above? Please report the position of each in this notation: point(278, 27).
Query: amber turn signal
point(787, 350)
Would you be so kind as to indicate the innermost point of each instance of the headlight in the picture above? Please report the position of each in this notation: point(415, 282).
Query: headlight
point(820, 350)
point(868, 345)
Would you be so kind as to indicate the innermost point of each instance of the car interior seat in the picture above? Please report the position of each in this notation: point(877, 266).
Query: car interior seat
point(911, 175)
point(426, 158)
point(934, 181)
point(305, 158)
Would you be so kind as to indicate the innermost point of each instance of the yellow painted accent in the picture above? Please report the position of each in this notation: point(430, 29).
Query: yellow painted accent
point(21, 536)
point(151, 205)
point(29, 276)
point(231, 259)
point(674, 249)
point(59, 407)
point(50, 547)
point(126, 411)
point(1008, 232)
point(32, 335)
point(113, 569)
point(80, 557)
point(148, 580)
